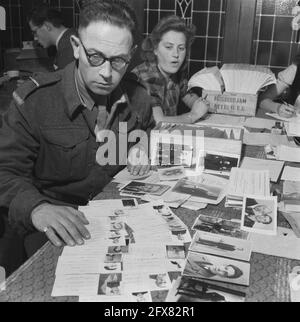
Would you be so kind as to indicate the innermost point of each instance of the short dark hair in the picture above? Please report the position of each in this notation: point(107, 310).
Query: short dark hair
point(116, 12)
point(166, 24)
point(42, 13)
point(237, 271)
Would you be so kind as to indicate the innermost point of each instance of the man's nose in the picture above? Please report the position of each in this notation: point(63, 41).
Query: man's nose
point(106, 70)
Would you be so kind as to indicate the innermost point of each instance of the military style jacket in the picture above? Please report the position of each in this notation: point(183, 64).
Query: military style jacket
point(48, 146)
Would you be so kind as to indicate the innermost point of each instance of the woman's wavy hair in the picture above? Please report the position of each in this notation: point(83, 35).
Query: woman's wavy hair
point(166, 24)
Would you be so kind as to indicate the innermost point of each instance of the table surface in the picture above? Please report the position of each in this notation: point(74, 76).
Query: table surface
point(33, 282)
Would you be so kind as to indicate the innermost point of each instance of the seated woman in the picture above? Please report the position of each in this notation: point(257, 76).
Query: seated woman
point(283, 97)
point(164, 71)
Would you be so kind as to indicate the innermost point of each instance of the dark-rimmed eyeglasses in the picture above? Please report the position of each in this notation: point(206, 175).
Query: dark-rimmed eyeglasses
point(97, 59)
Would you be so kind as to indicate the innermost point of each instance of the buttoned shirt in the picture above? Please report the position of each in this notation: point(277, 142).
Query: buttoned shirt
point(165, 91)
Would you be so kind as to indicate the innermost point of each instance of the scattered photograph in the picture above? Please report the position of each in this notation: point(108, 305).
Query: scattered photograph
point(217, 268)
point(170, 174)
point(159, 296)
point(260, 215)
point(145, 188)
point(220, 226)
point(191, 290)
point(129, 203)
point(174, 275)
point(112, 267)
point(220, 163)
point(110, 284)
point(175, 252)
point(141, 296)
point(118, 250)
point(113, 258)
point(205, 188)
point(221, 246)
point(159, 281)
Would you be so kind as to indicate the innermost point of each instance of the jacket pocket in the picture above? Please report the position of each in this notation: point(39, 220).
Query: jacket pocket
point(63, 154)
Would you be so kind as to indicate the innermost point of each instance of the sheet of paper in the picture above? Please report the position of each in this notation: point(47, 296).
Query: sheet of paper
point(285, 244)
point(296, 118)
point(275, 167)
point(217, 119)
point(262, 139)
point(259, 123)
point(291, 174)
point(293, 128)
point(249, 182)
point(287, 153)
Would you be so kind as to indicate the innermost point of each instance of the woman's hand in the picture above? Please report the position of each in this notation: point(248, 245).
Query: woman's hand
point(199, 109)
point(286, 110)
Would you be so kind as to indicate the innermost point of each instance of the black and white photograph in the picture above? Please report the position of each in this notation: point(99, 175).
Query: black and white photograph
point(145, 188)
point(217, 268)
point(220, 226)
point(221, 246)
point(220, 163)
point(175, 252)
point(260, 215)
point(204, 188)
point(135, 134)
point(110, 284)
point(171, 174)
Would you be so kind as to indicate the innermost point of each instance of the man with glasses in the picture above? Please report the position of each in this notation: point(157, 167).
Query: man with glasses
point(48, 30)
point(51, 134)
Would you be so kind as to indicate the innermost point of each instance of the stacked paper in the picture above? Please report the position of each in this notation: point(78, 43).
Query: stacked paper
point(208, 78)
point(247, 79)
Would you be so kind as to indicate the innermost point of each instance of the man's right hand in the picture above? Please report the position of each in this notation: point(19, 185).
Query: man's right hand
point(62, 225)
point(286, 110)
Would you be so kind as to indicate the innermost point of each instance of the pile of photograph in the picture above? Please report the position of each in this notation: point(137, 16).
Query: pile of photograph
point(124, 262)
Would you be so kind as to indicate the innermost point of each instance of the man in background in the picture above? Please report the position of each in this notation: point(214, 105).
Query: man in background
point(49, 31)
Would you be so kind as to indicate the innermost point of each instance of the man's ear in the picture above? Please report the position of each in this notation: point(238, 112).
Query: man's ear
point(75, 42)
point(48, 25)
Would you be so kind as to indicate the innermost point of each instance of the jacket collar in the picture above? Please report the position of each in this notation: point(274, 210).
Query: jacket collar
point(72, 96)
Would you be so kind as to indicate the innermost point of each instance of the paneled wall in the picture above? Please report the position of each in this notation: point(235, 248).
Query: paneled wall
point(275, 43)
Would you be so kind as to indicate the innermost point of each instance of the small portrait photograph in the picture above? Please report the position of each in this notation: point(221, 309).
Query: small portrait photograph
point(117, 240)
point(220, 163)
point(118, 212)
point(129, 203)
point(141, 296)
point(175, 252)
point(110, 284)
point(221, 246)
point(112, 267)
point(260, 215)
point(113, 258)
point(145, 188)
point(163, 211)
point(180, 234)
point(118, 250)
point(170, 174)
point(159, 281)
point(217, 268)
point(219, 226)
point(117, 226)
point(159, 296)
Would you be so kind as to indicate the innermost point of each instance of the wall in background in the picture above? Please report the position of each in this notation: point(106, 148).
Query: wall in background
point(274, 44)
